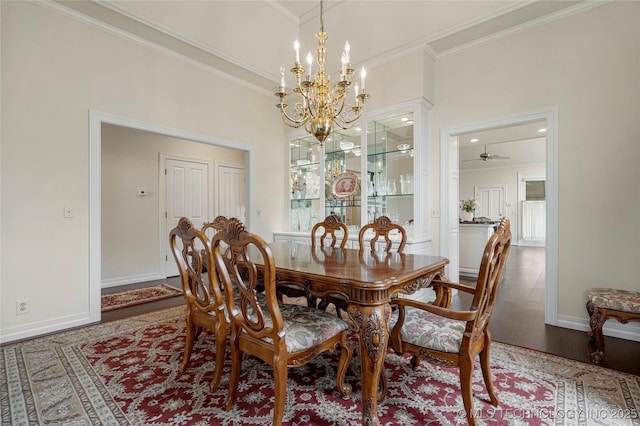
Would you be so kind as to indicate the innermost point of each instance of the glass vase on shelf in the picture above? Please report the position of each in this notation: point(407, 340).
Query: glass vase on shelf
point(406, 184)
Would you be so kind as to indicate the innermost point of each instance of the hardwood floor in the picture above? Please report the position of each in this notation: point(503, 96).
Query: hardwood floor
point(145, 307)
point(518, 316)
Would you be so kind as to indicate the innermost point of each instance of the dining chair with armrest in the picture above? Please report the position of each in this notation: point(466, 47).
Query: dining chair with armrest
point(455, 337)
point(202, 293)
point(283, 336)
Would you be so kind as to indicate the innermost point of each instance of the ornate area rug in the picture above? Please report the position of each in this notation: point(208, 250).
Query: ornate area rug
point(138, 296)
point(126, 373)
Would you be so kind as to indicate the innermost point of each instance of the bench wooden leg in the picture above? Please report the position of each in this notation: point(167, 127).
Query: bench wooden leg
point(596, 320)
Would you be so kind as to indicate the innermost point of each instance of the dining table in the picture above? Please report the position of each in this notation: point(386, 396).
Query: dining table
point(366, 281)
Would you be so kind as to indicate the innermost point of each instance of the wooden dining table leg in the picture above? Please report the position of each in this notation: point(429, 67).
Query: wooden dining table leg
point(373, 332)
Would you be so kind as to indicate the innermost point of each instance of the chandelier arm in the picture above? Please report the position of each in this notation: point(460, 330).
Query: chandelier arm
point(345, 122)
point(292, 122)
point(311, 108)
point(320, 106)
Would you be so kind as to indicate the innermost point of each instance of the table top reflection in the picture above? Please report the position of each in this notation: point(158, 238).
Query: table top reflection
point(358, 267)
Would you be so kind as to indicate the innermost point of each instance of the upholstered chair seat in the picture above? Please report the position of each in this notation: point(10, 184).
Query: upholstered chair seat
point(427, 330)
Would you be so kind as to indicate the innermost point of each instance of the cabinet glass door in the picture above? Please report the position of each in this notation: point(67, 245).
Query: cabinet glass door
point(342, 155)
point(305, 183)
point(390, 169)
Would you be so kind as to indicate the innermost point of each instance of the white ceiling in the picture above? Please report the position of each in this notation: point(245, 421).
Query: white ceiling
point(523, 144)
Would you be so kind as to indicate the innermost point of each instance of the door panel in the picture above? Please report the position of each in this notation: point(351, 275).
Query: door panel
point(187, 186)
point(230, 192)
point(492, 201)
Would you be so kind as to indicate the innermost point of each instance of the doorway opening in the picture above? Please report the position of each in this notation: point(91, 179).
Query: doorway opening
point(96, 122)
point(451, 192)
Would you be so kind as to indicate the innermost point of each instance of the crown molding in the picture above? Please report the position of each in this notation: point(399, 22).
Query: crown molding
point(284, 11)
point(535, 23)
point(120, 9)
point(61, 8)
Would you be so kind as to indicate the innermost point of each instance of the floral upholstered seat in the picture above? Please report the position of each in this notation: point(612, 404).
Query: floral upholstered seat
point(614, 299)
point(424, 329)
point(305, 327)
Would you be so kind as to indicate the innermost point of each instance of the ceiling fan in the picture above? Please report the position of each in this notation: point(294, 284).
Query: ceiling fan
point(485, 156)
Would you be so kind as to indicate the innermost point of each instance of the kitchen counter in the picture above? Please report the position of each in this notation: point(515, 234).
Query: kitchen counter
point(473, 238)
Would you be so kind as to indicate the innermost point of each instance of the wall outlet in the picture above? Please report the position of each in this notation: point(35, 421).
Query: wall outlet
point(22, 306)
point(435, 213)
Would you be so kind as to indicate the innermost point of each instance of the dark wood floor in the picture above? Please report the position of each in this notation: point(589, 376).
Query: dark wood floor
point(518, 316)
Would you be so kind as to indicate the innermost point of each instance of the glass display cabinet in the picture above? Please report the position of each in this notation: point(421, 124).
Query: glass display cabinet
point(390, 154)
point(342, 155)
point(388, 157)
point(306, 182)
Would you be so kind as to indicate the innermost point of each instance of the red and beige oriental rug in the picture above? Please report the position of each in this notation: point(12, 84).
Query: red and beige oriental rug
point(126, 373)
point(137, 296)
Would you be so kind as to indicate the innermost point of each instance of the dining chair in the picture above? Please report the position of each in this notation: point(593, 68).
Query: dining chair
point(202, 292)
point(329, 226)
point(455, 337)
point(212, 228)
point(283, 336)
point(382, 227)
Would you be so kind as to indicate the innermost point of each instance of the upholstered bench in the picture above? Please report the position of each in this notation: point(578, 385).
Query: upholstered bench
point(605, 303)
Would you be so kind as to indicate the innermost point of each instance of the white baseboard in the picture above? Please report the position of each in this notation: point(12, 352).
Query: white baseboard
point(131, 279)
point(43, 327)
point(613, 328)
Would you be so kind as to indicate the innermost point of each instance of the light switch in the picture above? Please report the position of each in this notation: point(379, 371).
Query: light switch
point(68, 212)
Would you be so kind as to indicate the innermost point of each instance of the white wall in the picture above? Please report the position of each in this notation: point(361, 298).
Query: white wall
point(131, 251)
point(587, 67)
point(54, 70)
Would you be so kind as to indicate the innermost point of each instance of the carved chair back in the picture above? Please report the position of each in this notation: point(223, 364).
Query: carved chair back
point(202, 293)
point(382, 227)
point(330, 225)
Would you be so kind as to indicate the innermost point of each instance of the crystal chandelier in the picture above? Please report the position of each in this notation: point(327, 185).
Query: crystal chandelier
point(319, 106)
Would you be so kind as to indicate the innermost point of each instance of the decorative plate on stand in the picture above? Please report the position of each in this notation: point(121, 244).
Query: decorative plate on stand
point(344, 185)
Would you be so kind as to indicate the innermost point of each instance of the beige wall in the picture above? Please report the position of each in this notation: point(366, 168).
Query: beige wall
point(586, 66)
point(54, 70)
point(131, 249)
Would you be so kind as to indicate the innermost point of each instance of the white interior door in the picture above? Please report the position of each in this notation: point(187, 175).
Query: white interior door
point(187, 195)
point(230, 192)
point(492, 201)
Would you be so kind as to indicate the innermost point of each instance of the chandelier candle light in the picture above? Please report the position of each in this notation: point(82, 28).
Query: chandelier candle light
point(318, 105)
